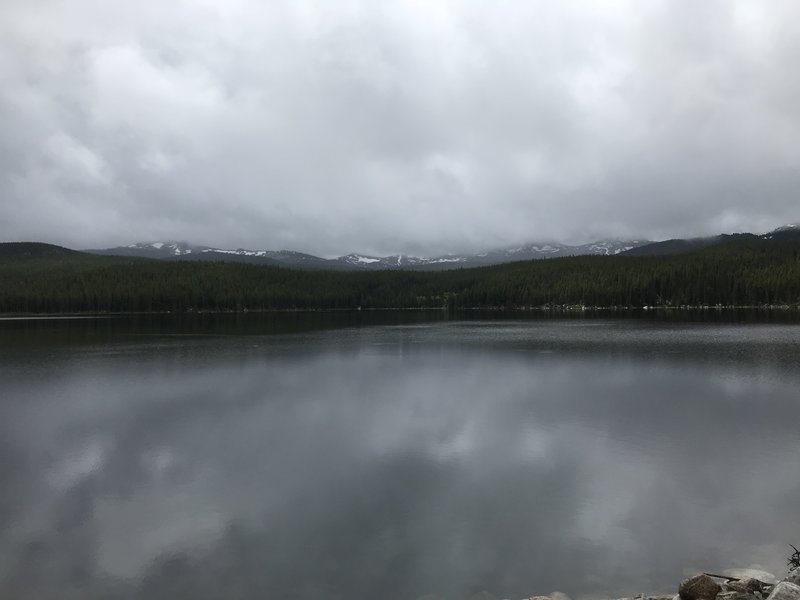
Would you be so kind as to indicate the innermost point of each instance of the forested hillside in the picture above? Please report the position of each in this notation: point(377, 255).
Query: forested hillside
point(738, 273)
point(18, 250)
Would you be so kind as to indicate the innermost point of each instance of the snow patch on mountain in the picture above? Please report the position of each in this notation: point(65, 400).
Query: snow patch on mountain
point(239, 252)
point(356, 259)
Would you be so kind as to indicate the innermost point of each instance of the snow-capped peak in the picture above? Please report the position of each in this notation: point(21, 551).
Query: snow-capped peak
point(356, 259)
point(171, 248)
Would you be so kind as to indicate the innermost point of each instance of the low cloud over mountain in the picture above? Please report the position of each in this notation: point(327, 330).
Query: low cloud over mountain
point(417, 128)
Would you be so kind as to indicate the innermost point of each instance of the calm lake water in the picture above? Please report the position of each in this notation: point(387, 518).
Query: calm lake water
point(392, 456)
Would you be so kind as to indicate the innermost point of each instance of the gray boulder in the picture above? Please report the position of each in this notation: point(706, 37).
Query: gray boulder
point(794, 576)
point(699, 587)
point(785, 591)
point(745, 586)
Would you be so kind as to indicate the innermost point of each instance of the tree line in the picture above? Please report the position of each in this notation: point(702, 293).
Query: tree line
point(741, 273)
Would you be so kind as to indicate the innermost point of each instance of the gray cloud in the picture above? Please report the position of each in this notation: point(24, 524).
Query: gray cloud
point(410, 126)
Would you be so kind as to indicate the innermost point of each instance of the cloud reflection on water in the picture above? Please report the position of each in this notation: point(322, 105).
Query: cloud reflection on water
point(393, 462)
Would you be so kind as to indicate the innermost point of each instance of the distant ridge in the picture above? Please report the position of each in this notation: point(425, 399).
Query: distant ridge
point(787, 232)
point(34, 250)
point(183, 251)
point(679, 246)
point(174, 250)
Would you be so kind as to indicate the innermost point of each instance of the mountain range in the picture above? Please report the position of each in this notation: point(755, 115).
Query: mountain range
point(173, 250)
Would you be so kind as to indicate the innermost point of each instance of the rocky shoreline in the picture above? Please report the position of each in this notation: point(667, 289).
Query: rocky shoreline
point(708, 586)
point(703, 586)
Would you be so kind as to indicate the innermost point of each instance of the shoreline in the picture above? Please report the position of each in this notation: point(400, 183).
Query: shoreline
point(710, 586)
point(558, 309)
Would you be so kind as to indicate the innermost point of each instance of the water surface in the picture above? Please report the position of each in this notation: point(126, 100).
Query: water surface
point(357, 456)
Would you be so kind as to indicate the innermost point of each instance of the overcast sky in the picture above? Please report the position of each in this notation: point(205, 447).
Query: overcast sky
point(423, 126)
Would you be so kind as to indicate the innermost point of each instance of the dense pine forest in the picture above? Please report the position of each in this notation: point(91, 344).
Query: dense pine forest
point(38, 278)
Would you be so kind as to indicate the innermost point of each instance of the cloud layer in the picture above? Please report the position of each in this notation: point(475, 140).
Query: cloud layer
point(411, 126)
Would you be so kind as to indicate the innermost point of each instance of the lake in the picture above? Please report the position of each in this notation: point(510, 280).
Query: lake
point(393, 455)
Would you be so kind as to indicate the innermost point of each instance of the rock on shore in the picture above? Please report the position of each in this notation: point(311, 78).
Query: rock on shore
point(712, 587)
point(705, 586)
